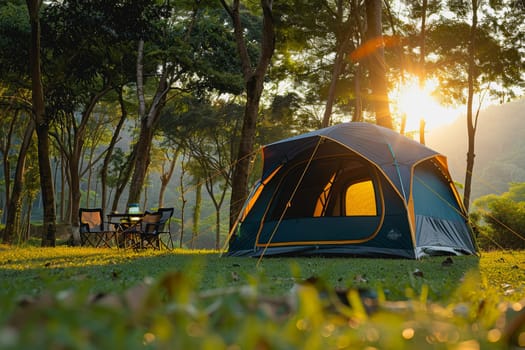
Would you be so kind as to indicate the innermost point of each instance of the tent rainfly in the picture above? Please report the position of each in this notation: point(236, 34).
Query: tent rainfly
point(353, 189)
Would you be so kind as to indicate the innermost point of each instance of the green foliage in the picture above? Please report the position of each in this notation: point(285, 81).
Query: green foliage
point(516, 192)
point(101, 298)
point(501, 219)
point(498, 64)
point(216, 61)
point(14, 36)
point(310, 35)
point(88, 46)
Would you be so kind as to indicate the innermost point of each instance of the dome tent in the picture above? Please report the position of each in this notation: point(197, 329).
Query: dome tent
point(353, 189)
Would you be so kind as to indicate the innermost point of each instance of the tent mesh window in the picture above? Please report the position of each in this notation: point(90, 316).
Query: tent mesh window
point(360, 199)
point(329, 187)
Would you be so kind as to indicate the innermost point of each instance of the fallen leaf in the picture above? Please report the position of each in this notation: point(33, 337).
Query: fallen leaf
point(135, 297)
point(108, 300)
point(418, 273)
point(447, 262)
point(235, 276)
point(360, 279)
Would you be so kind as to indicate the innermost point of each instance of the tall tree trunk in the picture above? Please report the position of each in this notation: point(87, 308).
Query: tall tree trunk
point(109, 151)
point(196, 212)
point(343, 41)
point(218, 229)
point(217, 203)
point(165, 177)
point(123, 179)
point(6, 148)
point(217, 199)
point(182, 199)
point(46, 185)
point(26, 231)
point(254, 80)
point(142, 161)
point(358, 66)
point(75, 196)
point(42, 127)
point(422, 124)
point(241, 170)
point(62, 199)
point(339, 64)
point(14, 208)
point(376, 64)
point(149, 119)
point(471, 124)
point(74, 162)
point(358, 103)
point(88, 192)
point(403, 125)
point(145, 196)
point(422, 73)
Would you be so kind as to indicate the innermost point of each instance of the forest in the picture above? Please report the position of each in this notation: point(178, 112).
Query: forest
point(166, 103)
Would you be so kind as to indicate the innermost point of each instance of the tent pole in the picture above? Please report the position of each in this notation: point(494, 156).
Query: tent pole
point(289, 200)
point(398, 172)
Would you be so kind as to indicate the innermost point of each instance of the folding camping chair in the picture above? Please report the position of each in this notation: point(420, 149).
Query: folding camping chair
point(149, 230)
point(92, 230)
point(165, 226)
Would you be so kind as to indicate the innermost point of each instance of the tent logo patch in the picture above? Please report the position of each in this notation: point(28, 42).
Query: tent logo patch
point(393, 235)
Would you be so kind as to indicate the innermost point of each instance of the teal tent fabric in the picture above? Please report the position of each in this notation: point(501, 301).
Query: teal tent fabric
point(301, 204)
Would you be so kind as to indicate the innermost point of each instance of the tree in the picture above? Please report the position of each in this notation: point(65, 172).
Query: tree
point(331, 40)
point(148, 118)
point(211, 147)
point(168, 64)
point(420, 16)
point(254, 83)
point(207, 131)
point(110, 151)
point(189, 50)
point(42, 122)
point(167, 171)
point(344, 33)
point(72, 147)
point(196, 211)
point(6, 139)
point(15, 105)
point(501, 219)
point(376, 63)
point(474, 58)
point(471, 122)
point(15, 200)
point(422, 75)
point(83, 66)
point(323, 33)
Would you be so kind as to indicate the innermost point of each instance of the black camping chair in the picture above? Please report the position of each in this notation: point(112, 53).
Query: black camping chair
point(92, 230)
point(165, 226)
point(150, 230)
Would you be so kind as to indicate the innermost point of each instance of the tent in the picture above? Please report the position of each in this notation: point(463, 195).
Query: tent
point(353, 189)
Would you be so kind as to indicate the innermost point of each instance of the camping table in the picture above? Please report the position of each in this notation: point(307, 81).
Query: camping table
point(123, 222)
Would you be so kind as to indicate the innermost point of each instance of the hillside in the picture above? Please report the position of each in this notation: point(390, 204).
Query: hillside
point(500, 148)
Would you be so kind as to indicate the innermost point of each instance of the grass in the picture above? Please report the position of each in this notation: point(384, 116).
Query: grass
point(101, 298)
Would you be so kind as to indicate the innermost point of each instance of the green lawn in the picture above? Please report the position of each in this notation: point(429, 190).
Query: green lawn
point(101, 298)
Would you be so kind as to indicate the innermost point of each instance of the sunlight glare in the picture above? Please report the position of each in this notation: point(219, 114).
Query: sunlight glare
point(417, 102)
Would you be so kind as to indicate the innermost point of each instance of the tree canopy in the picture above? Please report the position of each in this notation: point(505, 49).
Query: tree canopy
point(215, 80)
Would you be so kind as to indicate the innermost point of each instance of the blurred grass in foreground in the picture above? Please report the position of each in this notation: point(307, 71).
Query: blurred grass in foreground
point(101, 298)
